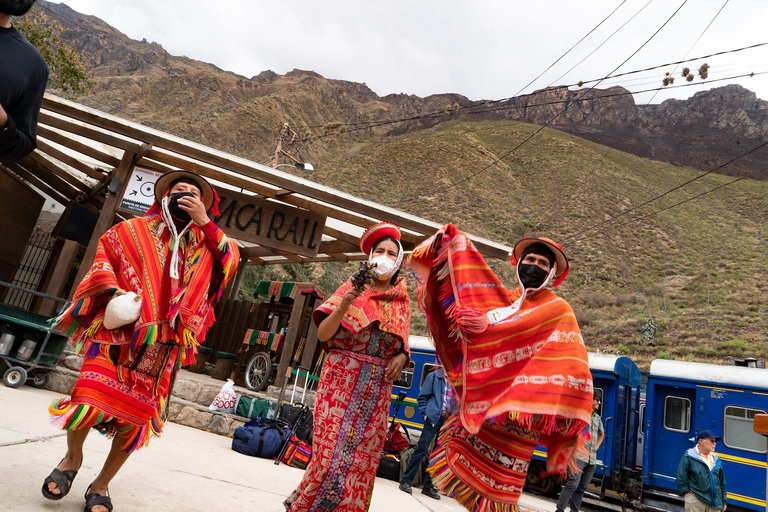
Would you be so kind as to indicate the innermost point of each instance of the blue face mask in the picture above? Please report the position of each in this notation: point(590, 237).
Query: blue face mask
point(532, 276)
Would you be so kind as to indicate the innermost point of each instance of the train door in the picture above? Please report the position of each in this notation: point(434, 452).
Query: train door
point(672, 431)
point(640, 436)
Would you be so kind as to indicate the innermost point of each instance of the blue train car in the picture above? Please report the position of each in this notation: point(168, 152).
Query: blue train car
point(683, 398)
point(412, 377)
point(617, 382)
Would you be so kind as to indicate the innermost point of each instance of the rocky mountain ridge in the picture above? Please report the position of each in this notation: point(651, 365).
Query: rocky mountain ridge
point(142, 79)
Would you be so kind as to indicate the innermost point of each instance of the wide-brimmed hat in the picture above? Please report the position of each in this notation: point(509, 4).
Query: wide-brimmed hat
point(563, 267)
point(376, 233)
point(163, 183)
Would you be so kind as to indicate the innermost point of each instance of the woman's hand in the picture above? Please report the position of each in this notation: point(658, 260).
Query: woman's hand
point(195, 208)
point(349, 298)
point(394, 367)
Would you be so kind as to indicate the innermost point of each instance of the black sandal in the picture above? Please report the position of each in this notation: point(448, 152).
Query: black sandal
point(62, 479)
point(94, 498)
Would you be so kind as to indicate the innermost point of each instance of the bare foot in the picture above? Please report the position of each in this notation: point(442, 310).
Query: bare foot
point(68, 463)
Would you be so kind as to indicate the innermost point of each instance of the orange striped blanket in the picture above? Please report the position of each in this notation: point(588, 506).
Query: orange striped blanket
point(521, 380)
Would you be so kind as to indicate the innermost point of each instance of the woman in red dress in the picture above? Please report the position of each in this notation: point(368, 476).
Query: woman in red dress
point(366, 333)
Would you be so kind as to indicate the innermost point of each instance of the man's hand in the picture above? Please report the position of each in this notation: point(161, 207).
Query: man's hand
point(394, 367)
point(3, 117)
point(195, 208)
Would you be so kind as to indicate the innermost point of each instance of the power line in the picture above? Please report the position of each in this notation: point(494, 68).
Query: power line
point(636, 219)
point(364, 125)
point(606, 40)
point(441, 189)
point(656, 198)
point(621, 136)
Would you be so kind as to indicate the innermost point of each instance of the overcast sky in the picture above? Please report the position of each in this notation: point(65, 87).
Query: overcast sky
point(481, 49)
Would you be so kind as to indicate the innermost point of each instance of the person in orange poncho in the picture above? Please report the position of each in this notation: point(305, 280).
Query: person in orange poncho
point(516, 360)
point(178, 261)
point(366, 333)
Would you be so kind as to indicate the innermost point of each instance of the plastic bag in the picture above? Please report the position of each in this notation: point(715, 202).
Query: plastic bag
point(226, 400)
point(122, 310)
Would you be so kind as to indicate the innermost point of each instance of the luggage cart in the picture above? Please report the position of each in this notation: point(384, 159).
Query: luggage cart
point(29, 347)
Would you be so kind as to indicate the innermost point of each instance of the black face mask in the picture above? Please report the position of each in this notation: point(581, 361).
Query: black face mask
point(173, 206)
point(16, 8)
point(532, 276)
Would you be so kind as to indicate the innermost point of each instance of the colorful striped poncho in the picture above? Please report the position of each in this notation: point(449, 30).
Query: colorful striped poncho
point(127, 372)
point(522, 380)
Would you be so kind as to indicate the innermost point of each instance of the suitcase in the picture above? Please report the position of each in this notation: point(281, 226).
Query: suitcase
point(389, 467)
point(298, 416)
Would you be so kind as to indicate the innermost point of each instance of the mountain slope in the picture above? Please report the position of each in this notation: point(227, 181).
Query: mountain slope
point(684, 283)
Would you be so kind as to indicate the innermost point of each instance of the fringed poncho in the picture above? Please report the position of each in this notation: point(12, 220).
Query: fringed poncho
point(522, 380)
point(127, 372)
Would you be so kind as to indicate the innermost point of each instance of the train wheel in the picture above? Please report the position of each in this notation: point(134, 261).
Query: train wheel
point(40, 381)
point(15, 377)
point(257, 371)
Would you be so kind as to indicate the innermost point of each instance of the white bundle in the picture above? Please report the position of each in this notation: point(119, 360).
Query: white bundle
point(122, 310)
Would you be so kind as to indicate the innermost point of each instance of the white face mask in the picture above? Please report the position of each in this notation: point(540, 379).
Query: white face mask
point(385, 267)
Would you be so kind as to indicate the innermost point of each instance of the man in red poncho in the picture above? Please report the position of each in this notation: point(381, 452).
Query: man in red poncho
point(178, 262)
point(516, 360)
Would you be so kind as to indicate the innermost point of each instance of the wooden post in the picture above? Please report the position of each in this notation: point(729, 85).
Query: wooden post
point(56, 276)
point(123, 173)
point(761, 427)
point(290, 340)
point(311, 346)
point(238, 280)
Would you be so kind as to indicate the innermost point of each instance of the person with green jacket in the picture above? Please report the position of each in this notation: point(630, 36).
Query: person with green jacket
point(700, 476)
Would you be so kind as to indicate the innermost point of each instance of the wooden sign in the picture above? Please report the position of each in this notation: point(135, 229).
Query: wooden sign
point(270, 224)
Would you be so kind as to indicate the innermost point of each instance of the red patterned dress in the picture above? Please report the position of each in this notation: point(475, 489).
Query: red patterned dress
point(352, 404)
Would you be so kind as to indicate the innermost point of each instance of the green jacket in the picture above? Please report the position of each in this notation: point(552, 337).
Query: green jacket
point(693, 475)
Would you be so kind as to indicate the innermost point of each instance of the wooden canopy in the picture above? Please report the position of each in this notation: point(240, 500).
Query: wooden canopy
point(82, 152)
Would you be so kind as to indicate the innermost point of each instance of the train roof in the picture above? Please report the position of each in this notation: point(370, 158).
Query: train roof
point(420, 343)
point(736, 375)
point(619, 365)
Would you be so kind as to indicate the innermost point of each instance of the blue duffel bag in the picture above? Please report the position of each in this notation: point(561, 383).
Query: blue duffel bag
point(261, 437)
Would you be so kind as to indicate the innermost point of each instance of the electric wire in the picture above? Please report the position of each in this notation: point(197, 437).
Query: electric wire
point(659, 196)
point(536, 132)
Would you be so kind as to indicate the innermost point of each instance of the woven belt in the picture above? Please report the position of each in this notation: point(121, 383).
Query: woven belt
point(359, 356)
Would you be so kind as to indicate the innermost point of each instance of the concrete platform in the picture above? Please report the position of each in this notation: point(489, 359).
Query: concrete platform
point(185, 469)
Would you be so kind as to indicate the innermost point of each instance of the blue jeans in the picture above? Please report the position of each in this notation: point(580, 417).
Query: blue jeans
point(414, 464)
point(575, 486)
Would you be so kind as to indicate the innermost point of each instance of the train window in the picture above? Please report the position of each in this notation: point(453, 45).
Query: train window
point(426, 370)
point(677, 414)
point(738, 432)
point(406, 377)
point(599, 394)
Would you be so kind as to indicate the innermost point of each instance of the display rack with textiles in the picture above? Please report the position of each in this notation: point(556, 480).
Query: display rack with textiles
point(269, 339)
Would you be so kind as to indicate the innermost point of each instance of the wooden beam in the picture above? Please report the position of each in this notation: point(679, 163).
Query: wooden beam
point(214, 174)
point(59, 138)
point(340, 235)
point(106, 216)
point(44, 147)
point(49, 177)
point(58, 171)
point(88, 132)
point(60, 197)
point(337, 246)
